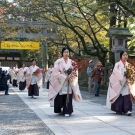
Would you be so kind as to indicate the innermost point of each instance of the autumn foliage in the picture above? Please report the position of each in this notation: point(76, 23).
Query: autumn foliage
point(82, 64)
point(132, 62)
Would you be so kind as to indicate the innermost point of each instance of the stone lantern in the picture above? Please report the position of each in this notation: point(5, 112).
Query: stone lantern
point(119, 38)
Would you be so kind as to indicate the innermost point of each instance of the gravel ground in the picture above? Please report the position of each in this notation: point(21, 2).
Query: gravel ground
point(16, 118)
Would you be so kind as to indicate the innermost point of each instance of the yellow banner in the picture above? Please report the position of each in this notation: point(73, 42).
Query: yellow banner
point(20, 45)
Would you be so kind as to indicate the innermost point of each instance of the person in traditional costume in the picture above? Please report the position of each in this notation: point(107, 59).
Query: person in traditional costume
point(21, 78)
point(34, 79)
point(15, 70)
point(11, 73)
point(119, 96)
point(64, 84)
point(48, 75)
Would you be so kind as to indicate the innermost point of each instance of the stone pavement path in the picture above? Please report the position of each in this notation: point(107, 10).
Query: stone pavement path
point(89, 118)
point(16, 118)
point(99, 100)
point(91, 98)
point(21, 115)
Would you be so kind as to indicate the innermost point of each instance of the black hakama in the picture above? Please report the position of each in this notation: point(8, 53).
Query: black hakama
point(33, 90)
point(15, 83)
point(22, 85)
point(123, 104)
point(48, 84)
point(60, 102)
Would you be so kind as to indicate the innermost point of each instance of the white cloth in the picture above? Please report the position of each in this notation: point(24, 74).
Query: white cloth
point(15, 73)
point(116, 88)
point(122, 69)
point(48, 75)
point(33, 77)
point(21, 77)
point(15, 69)
point(65, 88)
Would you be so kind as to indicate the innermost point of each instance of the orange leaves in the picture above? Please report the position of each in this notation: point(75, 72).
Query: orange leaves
point(82, 64)
point(131, 61)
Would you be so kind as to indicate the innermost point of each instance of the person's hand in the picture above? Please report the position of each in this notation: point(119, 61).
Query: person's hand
point(111, 100)
point(79, 97)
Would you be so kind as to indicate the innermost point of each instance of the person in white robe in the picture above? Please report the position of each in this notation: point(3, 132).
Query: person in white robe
point(119, 96)
point(64, 85)
point(34, 79)
point(15, 70)
point(48, 75)
point(21, 79)
point(11, 73)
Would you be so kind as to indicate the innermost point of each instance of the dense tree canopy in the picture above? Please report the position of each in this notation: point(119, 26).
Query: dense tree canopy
point(80, 24)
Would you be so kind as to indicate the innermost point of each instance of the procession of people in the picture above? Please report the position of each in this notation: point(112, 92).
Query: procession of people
point(62, 83)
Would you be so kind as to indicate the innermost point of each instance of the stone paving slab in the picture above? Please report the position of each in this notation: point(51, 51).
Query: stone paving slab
point(16, 118)
point(89, 118)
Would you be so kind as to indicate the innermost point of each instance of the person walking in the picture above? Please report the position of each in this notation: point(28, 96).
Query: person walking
point(64, 84)
point(48, 75)
point(90, 69)
point(34, 79)
point(15, 69)
point(119, 92)
point(21, 78)
point(97, 76)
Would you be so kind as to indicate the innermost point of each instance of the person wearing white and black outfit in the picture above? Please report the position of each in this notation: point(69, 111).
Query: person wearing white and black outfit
point(48, 75)
point(21, 78)
point(62, 89)
point(15, 69)
point(34, 80)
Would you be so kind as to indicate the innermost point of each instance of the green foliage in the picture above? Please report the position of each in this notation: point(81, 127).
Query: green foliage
point(80, 23)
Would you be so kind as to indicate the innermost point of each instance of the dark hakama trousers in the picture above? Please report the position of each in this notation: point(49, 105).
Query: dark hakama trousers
point(48, 84)
point(33, 90)
point(60, 102)
point(15, 83)
point(22, 85)
point(123, 104)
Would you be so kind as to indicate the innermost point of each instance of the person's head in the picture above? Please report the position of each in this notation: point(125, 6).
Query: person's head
point(99, 64)
point(123, 56)
point(23, 65)
point(33, 62)
point(65, 52)
point(51, 65)
point(91, 63)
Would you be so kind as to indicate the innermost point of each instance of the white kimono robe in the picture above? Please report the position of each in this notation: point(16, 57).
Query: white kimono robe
point(33, 79)
point(15, 73)
point(58, 79)
point(117, 84)
point(48, 74)
point(11, 73)
point(21, 76)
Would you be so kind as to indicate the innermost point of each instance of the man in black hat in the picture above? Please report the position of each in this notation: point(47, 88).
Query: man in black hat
point(3, 83)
